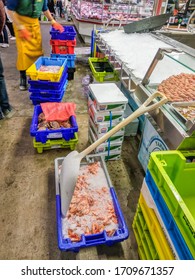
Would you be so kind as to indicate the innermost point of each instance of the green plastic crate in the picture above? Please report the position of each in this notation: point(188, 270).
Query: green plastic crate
point(174, 176)
point(56, 144)
point(102, 70)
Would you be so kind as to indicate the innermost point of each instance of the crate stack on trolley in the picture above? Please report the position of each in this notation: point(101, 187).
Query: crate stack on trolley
point(164, 222)
point(48, 79)
point(63, 46)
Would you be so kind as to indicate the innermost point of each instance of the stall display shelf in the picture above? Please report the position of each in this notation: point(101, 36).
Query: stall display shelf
point(102, 11)
point(170, 58)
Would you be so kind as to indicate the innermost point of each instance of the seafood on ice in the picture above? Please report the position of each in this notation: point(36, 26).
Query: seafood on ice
point(43, 124)
point(91, 210)
point(179, 87)
point(49, 68)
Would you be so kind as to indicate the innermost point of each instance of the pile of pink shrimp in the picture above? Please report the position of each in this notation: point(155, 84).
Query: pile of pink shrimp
point(91, 210)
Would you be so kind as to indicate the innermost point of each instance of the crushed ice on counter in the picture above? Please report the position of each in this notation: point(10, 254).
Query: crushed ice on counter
point(137, 50)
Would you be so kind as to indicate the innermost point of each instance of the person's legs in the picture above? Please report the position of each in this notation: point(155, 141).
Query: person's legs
point(10, 27)
point(23, 80)
point(4, 101)
point(1, 38)
point(5, 35)
point(6, 110)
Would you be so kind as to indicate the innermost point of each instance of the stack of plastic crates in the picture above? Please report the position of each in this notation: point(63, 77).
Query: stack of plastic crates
point(47, 79)
point(47, 139)
point(63, 45)
point(106, 105)
point(167, 204)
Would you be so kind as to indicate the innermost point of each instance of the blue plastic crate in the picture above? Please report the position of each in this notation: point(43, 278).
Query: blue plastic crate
point(38, 92)
point(93, 239)
point(168, 220)
point(44, 135)
point(45, 85)
point(122, 233)
point(70, 58)
point(69, 33)
point(37, 99)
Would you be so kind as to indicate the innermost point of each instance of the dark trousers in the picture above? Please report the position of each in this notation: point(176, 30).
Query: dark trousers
point(4, 36)
point(10, 27)
point(4, 101)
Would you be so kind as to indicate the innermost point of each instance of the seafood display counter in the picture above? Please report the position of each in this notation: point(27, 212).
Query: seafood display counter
point(87, 14)
point(147, 62)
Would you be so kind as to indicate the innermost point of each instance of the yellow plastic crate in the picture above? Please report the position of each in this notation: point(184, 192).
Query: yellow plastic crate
point(156, 231)
point(56, 144)
point(34, 73)
point(151, 240)
point(146, 248)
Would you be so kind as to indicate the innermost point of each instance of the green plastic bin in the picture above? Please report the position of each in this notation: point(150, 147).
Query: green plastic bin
point(102, 70)
point(174, 176)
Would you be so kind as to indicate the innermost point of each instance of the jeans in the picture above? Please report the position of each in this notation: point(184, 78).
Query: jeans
point(4, 100)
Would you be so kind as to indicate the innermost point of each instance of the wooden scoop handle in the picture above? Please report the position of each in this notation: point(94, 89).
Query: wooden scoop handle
point(145, 107)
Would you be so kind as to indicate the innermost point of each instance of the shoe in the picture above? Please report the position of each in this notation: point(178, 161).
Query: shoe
point(9, 113)
point(2, 116)
point(12, 38)
point(23, 84)
point(4, 45)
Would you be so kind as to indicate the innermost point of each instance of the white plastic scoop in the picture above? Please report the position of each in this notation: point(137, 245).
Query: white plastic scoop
point(71, 163)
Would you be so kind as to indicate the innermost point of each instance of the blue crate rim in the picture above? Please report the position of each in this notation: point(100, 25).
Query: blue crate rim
point(68, 245)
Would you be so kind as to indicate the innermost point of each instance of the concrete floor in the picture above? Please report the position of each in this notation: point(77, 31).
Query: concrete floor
point(27, 179)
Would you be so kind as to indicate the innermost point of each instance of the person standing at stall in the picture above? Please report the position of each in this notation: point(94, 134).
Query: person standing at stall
point(59, 7)
point(27, 30)
point(6, 110)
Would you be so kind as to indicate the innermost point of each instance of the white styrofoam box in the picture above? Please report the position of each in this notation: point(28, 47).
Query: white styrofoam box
point(132, 127)
point(118, 136)
point(103, 127)
point(103, 116)
point(105, 147)
point(107, 96)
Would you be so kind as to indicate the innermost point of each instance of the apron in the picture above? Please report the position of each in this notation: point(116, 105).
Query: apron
point(28, 51)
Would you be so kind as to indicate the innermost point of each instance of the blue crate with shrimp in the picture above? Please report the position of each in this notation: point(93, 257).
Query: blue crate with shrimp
point(69, 33)
point(44, 135)
point(71, 58)
point(104, 229)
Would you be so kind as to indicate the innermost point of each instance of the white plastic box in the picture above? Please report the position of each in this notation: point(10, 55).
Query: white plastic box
point(107, 97)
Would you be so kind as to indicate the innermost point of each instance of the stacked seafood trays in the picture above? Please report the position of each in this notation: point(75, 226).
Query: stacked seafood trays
point(57, 131)
point(63, 46)
point(94, 216)
point(106, 106)
point(164, 223)
point(48, 79)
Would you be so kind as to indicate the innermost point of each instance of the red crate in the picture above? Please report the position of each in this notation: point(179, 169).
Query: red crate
point(63, 46)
